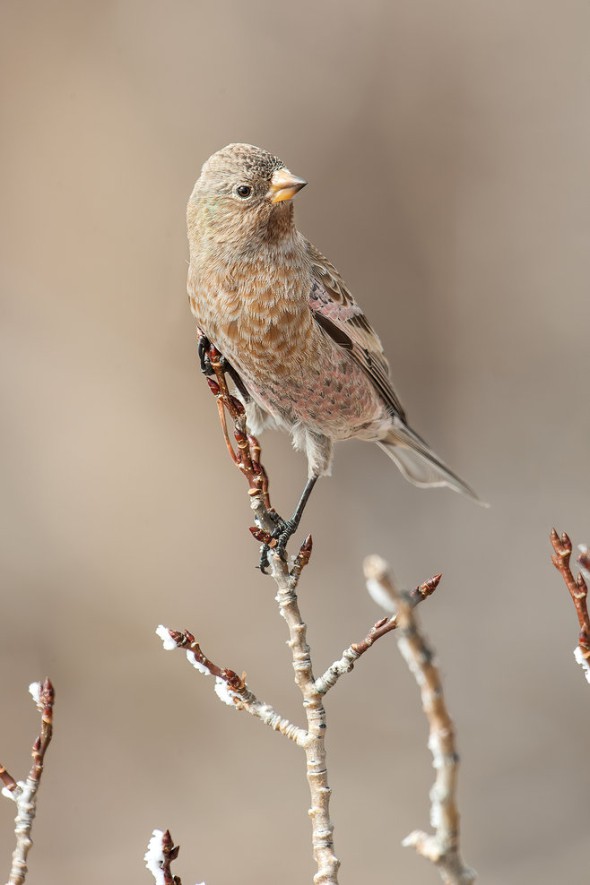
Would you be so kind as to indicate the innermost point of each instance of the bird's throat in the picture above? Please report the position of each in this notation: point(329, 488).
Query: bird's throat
point(281, 223)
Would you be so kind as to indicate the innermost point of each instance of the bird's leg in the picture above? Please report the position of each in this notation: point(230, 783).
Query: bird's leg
point(286, 527)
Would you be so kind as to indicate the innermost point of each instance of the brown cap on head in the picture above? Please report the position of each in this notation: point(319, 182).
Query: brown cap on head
point(245, 158)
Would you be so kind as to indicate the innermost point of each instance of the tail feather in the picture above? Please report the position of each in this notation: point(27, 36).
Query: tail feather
point(419, 464)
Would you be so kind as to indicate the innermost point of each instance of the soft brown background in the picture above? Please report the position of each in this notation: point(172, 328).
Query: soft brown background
point(446, 146)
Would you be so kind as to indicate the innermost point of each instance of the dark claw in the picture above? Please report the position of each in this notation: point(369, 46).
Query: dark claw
point(280, 536)
point(203, 347)
point(264, 563)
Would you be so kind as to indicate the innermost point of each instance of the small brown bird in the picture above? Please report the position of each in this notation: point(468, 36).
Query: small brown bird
point(282, 316)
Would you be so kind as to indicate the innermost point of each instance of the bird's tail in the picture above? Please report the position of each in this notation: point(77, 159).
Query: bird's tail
point(419, 464)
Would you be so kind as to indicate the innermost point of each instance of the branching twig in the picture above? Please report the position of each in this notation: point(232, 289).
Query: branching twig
point(315, 748)
point(578, 592)
point(442, 847)
point(24, 793)
point(231, 688)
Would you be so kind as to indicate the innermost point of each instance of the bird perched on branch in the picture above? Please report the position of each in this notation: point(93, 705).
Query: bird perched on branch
point(281, 314)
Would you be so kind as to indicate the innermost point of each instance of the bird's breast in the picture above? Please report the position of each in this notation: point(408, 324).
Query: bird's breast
point(253, 314)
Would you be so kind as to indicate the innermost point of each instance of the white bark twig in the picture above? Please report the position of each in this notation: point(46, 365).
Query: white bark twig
point(314, 746)
point(229, 687)
point(24, 793)
point(442, 847)
point(233, 690)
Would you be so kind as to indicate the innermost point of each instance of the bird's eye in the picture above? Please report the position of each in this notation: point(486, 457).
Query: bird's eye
point(243, 191)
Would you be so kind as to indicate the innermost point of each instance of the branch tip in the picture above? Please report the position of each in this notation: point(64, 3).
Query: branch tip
point(160, 854)
point(302, 558)
point(578, 591)
point(428, 587)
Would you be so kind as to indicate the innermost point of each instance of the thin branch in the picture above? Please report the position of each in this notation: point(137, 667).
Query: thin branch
point(315, 748)
point(233, 690)
point(578, 592)
point(351, 654)
point(229, 687)
point(442, 848)
point(247, 457)
point(24, 793)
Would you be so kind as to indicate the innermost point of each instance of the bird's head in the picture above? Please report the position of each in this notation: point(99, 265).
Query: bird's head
point(242, 198)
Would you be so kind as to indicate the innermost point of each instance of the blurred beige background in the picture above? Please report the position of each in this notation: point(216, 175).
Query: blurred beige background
point(446, 146)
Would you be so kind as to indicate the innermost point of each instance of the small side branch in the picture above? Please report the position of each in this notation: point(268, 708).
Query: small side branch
point(579, 593)
point(442, 848)
point(24, 793)
point(229, 687)
point(351, 654)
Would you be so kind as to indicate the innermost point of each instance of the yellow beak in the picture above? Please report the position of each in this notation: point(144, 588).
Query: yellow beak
point(284, 185)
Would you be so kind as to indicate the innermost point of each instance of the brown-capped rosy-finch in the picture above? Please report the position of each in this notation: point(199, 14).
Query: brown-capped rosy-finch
point(282, 316)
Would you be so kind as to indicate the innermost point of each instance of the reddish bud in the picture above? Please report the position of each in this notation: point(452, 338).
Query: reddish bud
point(307, 545)
point(213, 386)
point(261, 535)
point(430, 586)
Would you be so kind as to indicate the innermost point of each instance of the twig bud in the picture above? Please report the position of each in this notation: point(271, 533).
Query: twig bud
point(428, 587)
point(262, 536)
point(238, 406)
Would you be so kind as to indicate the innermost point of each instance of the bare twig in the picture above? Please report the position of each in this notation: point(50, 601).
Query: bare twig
point(351, 654)
point(229, 687)
point(24, 793)
point(233, 690)
point(247, 457)
point(160, 854)
point(578, 592)
point(441, 848)
point(315, 748)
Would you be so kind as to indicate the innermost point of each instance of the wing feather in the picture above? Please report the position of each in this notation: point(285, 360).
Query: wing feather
point(337, 313)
